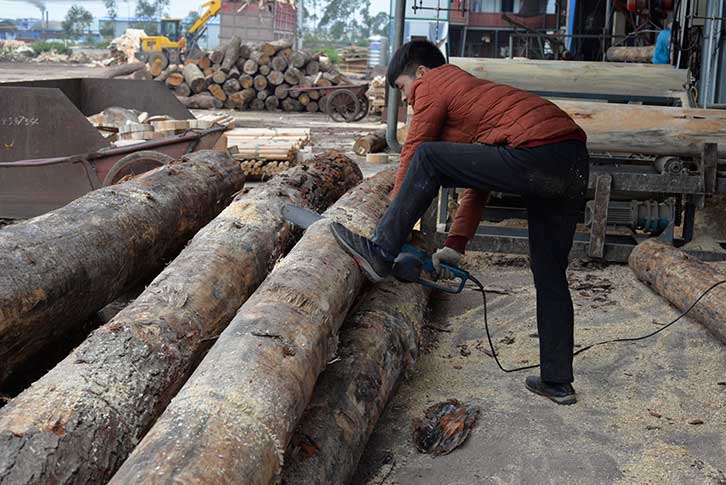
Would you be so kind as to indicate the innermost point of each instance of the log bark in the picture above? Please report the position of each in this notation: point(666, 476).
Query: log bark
point(681, 279)
point(631, 54)
point(250, 67)
point(194, 78)
point(231, 53)
point(235, 415)
point(81, 420)
point(60, 268)
point(379, 342)
point(198, 101)
point(276, 78)
point(370, 143)
point(183, 90)
point(122, 70)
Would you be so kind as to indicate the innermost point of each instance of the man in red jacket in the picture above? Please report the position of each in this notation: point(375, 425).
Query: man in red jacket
point(482, 136)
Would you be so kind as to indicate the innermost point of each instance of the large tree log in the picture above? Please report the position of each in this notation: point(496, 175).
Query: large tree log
point(183, 90)
point(198, 101)
point(235, 415)
point(122, 70)
point(194, 78)
point(78, 423)
point(231, 53)
point(272, 48)
point(681, 279)
point(631, 54)
point(60, 268)
point(378, 343)
point(370, 143)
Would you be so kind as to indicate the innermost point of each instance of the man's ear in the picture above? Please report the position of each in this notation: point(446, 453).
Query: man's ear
point(421, 70)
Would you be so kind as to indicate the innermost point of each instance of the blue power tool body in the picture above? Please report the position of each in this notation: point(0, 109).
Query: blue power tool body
point(408, 266)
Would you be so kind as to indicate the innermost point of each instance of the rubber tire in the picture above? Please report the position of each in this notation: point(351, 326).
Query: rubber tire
point(135, 163)
point(160, 57)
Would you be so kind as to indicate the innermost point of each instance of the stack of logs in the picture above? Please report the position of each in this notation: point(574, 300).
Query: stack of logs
point(264, 153)
point(263, 169)
point(240, 76)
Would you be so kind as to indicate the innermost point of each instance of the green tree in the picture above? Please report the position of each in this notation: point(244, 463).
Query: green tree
point(77, 21)
point(189, 20)
point(350, 21)
point(107, 29)
point(148, 11)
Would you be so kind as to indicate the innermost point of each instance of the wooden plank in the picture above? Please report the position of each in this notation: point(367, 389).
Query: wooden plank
point(600, 215)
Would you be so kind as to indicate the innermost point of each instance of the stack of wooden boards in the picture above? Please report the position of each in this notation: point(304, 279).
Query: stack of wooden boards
point(265, 152)
point(123, 126)
point(241, 76)
point(354, 60)
point(377, 94)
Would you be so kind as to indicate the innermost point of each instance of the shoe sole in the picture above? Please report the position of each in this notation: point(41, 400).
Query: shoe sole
point(362, 263)
point(565, 401)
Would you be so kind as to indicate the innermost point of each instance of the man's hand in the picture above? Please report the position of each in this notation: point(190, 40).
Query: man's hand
point(448, 256)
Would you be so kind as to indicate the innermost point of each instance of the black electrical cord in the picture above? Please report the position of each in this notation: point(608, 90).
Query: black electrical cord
point(579, 351)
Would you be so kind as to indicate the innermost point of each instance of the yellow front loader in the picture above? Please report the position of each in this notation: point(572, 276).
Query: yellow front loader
point(171, 46)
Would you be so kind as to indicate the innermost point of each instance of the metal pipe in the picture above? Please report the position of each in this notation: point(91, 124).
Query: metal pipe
point(394, 95)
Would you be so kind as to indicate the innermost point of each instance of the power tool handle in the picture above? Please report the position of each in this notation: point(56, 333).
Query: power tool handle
point(459, 274)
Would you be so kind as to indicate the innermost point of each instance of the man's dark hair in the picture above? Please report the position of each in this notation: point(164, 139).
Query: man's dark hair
point(411, 55)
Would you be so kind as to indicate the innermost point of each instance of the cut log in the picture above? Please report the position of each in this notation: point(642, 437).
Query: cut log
point(299, 59)
point(236, 100)
point(260, 58)
point(272, 103)
point(246, 81)
point(279, 63)
point(250, 67)
point(231, 86)
point(105, 395)
point(204, 62)
point(257, 105)
point(314, 94)
point(312, 68)
point(142, 75)
point(287, 54)
point(262, 95)
point(324, 83)
point(244, 52)
point(231, 53)
point(174, 79)
point(370, 143)
point(276, 78)
point(217, 55)
point(66, 265)
point(260, 82)
point(272, 48)
point(379, 342)
point(219, 76)
point(281, 91)
point(165, 73)
point(194, 78)
point(631, 54)
point(293, 76)
point(209, 71)
point(265, 70)
point(233, 73)
point(122, 70)
point(198, 101)
point(246, 396)
point(681, 279)
point(304, 99)
point(312, 107)
point(218, 92)
point(249, 94)
point(183, 90)
point(288, 105)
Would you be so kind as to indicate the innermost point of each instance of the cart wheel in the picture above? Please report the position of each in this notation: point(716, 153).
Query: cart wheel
point(364, 106)
point(343, 105)
point(134, 164)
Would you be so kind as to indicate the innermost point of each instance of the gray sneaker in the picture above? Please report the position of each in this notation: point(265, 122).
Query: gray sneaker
point(559, 393)
point(371, 258)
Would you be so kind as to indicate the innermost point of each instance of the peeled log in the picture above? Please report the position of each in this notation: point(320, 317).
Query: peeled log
point(235, 415)
point(370, 143)
point(631, 54)
point(60, 268)
point(378, 343)
point(79, 422)
point(681, 279)
point(194, 78)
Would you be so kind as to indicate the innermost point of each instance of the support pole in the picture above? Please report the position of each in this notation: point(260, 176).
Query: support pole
point(394, 95)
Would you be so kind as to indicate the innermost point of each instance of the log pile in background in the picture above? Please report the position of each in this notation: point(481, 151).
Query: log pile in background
point(265, 152)
point(80, 421)
point(377, 94)
point(354, 60)
point(62, 267)
point(240, 76)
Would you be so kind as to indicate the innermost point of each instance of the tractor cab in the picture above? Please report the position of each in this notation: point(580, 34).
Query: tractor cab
point(171, 29)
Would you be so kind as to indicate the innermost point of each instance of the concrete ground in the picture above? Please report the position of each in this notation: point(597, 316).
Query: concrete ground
point(650, 412)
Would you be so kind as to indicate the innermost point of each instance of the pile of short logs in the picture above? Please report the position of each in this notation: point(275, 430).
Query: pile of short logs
point(262, 77)
point(265, 152)
point(263, 169)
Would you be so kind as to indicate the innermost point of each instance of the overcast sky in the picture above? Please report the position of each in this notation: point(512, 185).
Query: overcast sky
point(57, 9)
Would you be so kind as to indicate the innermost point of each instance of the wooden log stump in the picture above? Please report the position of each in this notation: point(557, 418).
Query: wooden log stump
point(276, 78)
point(246, 81)
point(194, 78)
point(98, 403)
point(67, 264)
point(312, 107)
point(681, 279)
point(265, 70)
point(293, 76)
point(260, 58)
point(379, 342)
point(279, 63)
point(253, 385)
point(262, 95)
point(281, 91)
point(272, 48)
point(260, 82)
point(299, 59)
point(219, 76)
point(250, 67)
point(314, 95)
point(312, 68)
point(174, 79)
point(304, 99)
point(257, 105)
point(370, 143)
point(204, 62)
point(287, 54)
point(218, 92)
point(231, 86)
point(272, 103)
point(183, 90)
